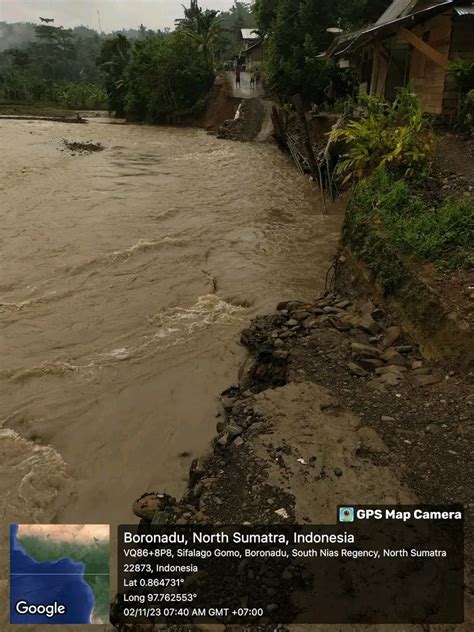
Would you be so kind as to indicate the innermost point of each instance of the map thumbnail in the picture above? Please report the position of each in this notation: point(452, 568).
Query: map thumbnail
point(59, 574)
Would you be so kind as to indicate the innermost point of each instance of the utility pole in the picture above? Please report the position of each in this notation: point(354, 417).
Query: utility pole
point(98, 19)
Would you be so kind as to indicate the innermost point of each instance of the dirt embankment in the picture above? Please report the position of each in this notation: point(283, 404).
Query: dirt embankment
point(246, 124)
point(221, 105)
point(333, 403)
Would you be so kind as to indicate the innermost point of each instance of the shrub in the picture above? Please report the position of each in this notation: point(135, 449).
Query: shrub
point(396, 136)
point(388, 223)
point(82, 95)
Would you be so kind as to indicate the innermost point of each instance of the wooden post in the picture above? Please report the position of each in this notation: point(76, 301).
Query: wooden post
point(423, 47)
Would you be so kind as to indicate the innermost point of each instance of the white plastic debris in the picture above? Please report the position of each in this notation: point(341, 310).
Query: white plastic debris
point(282, 513)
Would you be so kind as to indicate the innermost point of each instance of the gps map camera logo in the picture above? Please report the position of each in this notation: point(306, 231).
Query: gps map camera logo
point(59, 573)
point(346, 514)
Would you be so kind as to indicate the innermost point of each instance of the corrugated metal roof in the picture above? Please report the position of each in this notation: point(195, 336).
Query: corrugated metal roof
point(401, 8)
point(397, 9)
point(468, 10)
point(386, 29)
point(249, 34)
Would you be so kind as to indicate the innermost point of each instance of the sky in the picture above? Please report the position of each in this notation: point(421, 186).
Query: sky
point(114, 14)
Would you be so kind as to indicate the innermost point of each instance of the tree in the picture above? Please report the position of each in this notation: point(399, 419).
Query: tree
point(114, 58)
point(296, 32)
point(167, 78)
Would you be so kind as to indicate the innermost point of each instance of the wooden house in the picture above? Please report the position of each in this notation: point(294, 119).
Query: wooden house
point(254, 55)
point(413, 40)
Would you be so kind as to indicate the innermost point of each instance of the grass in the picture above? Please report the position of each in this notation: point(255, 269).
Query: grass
point(387, 224)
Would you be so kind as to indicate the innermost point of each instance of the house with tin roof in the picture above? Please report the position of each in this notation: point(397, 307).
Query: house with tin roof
point(412, 41)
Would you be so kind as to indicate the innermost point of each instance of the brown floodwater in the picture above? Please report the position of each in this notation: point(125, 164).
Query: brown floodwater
point(125, 278)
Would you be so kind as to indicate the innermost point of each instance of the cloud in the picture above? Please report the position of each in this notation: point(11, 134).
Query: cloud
point(114, 14)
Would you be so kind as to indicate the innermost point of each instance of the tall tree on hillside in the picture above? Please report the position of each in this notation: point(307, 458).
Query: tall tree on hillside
point(203, 26)
point(114, 58)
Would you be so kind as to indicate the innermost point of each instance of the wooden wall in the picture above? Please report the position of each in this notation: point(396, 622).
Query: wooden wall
point(428, 76)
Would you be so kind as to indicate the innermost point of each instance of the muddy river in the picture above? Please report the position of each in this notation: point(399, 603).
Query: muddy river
point(125, 277)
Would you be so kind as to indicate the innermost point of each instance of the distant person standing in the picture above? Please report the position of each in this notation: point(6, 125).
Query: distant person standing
point(252, 81)
point(237, 76)
point(257, 77)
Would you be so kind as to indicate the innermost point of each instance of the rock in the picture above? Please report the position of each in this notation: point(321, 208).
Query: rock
point(300, 315)
point(227, 403)
point(387, 418)
point(146, 506)
point(196, 471)
point(220, 425)
point(367, 308)
point(427, 380)
point(317, 310)
point(355, 369)
point(365, 350)
point(343, 304)
point(234, 431)
point(404, 348)
point(392, 356)
point(289, 305)
point(280, 354)
point(328, 309)
point(337, 471)
point(349, 319)
point(433, 429)
point(310, 323)
point(421, 371)
point(246, 372)
point(392, 334)
point(367, 323)
point(390, 378)
point(417, 364)
point(223, 440)
point(293, 322)
point(370, 364)
point(238, 441)
point(391, 368)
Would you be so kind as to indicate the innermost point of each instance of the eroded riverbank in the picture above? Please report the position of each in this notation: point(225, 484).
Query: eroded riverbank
point(127, 275)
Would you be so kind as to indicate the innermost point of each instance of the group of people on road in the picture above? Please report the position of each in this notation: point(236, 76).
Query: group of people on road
point(255, 77)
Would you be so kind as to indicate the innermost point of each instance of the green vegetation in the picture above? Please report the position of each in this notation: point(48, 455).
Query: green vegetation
point(141, 74)
point(94, 556)
point(47, 68)
point(113, 59)
point(296, 32)
point(393, 135)
point(463, 71)
point(239, 16)
point(167, 78)
point(388, 223)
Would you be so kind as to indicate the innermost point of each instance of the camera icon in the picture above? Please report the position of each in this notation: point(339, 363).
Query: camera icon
point(346, 514)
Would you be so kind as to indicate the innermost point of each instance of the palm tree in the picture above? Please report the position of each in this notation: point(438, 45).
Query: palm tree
point(203, 26)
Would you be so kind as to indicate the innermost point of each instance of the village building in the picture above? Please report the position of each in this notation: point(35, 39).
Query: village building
point(254, 55)
point(412, 41)
point(248, 37)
